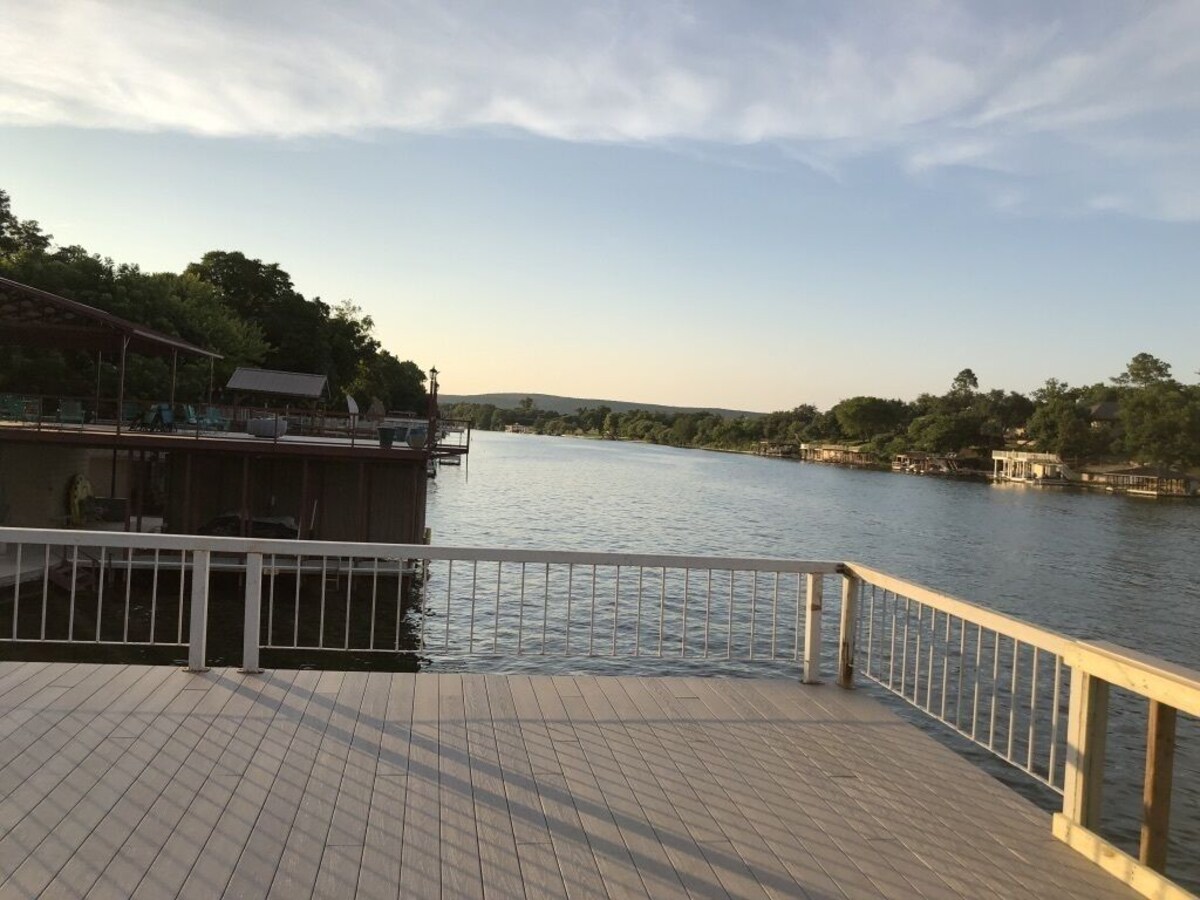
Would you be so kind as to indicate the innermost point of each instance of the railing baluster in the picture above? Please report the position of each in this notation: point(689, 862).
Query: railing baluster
point(321, 620)
point(708, 610)
point(271, 603)
point(637, 632)
point(978, 665)
point(45, 590)
point(1033, 685)
point(296, 604)
point(471, 627)
point(496, 614)
point(753, 608)
point(520, 610)
point(1012, 699)
point(349, 598)
point(592, 622)
point(100, 596)
point(1054, 716)
point(995, 683)
point(662, 609)
point(774, 614)
point(729, 627)
point(449, 583)
point(17, 593)
point(904, 644)
point(616, 609)
point(545, 607)
point(871, 634)
point(570, 594)
point(71, 608)
point(687, 573)
point(946, 666)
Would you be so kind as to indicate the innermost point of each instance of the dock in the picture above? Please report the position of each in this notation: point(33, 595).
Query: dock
point(144, 781)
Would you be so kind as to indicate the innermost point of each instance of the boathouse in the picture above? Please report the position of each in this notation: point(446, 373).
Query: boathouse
point(160, 463)
point(1027, 466)
point(1148, 481)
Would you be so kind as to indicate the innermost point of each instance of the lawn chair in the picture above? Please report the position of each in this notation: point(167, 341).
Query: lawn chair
point(214, 420)
point(70, 412)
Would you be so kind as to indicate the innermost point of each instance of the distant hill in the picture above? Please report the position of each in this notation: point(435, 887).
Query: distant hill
point(564, 405)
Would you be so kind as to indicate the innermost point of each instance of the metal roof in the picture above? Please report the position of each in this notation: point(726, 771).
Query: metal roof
point(269, 381)
point(31, 316)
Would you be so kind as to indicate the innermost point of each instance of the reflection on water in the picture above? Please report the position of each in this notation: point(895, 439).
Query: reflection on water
point(1123, 569)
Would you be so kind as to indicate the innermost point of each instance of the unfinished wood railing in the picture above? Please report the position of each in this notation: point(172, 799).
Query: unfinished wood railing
point(1035, 698)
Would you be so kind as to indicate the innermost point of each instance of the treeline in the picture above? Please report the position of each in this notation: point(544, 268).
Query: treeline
point(245, 309)
point(1142, 415)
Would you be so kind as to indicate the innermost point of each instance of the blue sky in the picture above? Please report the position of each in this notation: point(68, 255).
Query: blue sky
point(745, 205)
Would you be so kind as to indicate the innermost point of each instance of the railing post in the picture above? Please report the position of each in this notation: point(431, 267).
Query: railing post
point(848, 630)
point(198, 632)
point(1156, 795)
point(1087, 730)
point(253, 605)
point(812, 631)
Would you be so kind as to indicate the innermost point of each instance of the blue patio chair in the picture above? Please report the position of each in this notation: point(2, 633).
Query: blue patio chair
point(70, 412)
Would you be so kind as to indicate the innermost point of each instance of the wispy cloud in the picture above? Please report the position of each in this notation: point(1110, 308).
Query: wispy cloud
point(1103, 101)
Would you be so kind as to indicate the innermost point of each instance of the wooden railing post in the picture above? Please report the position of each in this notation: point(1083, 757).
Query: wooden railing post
point(848, 630)
point(253, 613)
point(1156, 795)
point(198, 631)
point(1087, 731)
point(812, 631)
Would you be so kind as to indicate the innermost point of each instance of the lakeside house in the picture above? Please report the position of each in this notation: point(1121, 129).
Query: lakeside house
point(918, 462)
point(856, 455)
point(1030, 467)
point(1149, 481)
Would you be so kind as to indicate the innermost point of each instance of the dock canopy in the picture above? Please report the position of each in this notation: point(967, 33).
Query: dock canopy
point(33, 317)
point(281, 384)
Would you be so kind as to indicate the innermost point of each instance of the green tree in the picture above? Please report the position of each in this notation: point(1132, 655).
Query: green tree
point(861, 418)
point(1144, 370)
point(1162, 424)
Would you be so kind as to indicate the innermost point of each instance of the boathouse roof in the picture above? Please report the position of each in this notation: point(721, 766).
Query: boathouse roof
point(31, 316)
point(284, 384)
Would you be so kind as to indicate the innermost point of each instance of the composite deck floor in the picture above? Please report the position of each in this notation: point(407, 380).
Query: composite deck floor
point(141, 781)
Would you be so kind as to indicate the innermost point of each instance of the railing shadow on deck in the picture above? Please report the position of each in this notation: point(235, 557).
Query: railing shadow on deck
point(1036, 699)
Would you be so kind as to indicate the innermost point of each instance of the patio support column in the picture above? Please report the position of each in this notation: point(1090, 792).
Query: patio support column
point(210, 378)
point(121, 383)
point(99, 363)
point(174, 369)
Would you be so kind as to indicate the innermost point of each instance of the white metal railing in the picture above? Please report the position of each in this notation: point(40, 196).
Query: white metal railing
point(1036, 699)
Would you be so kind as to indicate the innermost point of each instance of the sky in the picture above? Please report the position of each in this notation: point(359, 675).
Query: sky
point(745, 205)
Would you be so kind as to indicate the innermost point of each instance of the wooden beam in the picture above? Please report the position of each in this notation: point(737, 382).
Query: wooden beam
point(848, 630)
point(1116, 862)
point(812, 631)
point(1156, 794)
point(1087, 732)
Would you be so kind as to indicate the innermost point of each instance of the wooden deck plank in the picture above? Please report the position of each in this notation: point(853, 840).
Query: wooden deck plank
point(610, 703)
point(39, 770)
point(379, 874)
point(53, 726)
point(136, 854)
point(71, 810)
point(577, 862)
point(499, 866)
point(297, 730)
point(539, 867)
point(153, 772)
point(613, 858)
point(301, 858)
point(338, 872)
point(148, 781)
point(459, 838)
point(420, 857)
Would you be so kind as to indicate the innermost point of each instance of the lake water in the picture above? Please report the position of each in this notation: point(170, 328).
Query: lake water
point(1090, 565)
